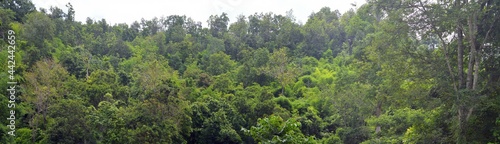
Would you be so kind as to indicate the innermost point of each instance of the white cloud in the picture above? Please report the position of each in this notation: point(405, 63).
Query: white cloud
point(122, 11)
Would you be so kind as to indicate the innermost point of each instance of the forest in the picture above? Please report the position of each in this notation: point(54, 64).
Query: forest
point(390, 71)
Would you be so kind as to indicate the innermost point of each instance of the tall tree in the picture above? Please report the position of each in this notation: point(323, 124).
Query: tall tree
point(281, 68)
point(218, 25)
point(20, 7)
point(470, 25)
point(38, 28)
point(45, 86)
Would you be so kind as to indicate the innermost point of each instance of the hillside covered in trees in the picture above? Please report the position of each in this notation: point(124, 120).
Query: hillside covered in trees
point(391, 71)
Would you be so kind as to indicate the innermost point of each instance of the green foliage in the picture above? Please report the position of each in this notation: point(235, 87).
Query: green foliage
point(215, 121)
point(20, 7)
point(218, 24)
point(223, 83)
point(276, 130)
point(23, 136)
point(6, 19)
point(284, 103)
point(279, 67)
point(386, 72)
point(38, 29)
point(409, 126)
point(68, 126)
point(219, 63)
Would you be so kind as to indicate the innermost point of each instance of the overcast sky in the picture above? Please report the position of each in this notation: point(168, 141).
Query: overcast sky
point(124, 11)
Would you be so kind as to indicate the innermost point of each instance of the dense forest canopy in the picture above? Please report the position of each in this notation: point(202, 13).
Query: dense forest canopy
point(391, 71)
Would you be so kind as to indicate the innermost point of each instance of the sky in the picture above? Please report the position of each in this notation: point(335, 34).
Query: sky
point(125, 11)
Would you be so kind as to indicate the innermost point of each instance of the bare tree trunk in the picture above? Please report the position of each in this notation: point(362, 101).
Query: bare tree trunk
point(282, 89)
point(470, 69)
point(472, 57)
point(476, 69)
point(465, 110)
point(460, 57)
point(33, 132)
point(462, 125)
point(87, 75)
point(378, 112)
point(473, 42)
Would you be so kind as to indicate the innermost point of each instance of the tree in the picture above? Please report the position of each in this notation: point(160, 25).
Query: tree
point(274, 129)
point(218, 25)
point(219, 63)
point(99, 83)
point(250, 72)
point(44, 87)
point(239, 28)
point(37, 29)
point(149, 76)
point(20, 7)
point(280, 68)
point(471, 22)
point(390, 71)
point(175, 28)
point(214, 121)
point(289, 34)
point(70, 124)
point(6, 19)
